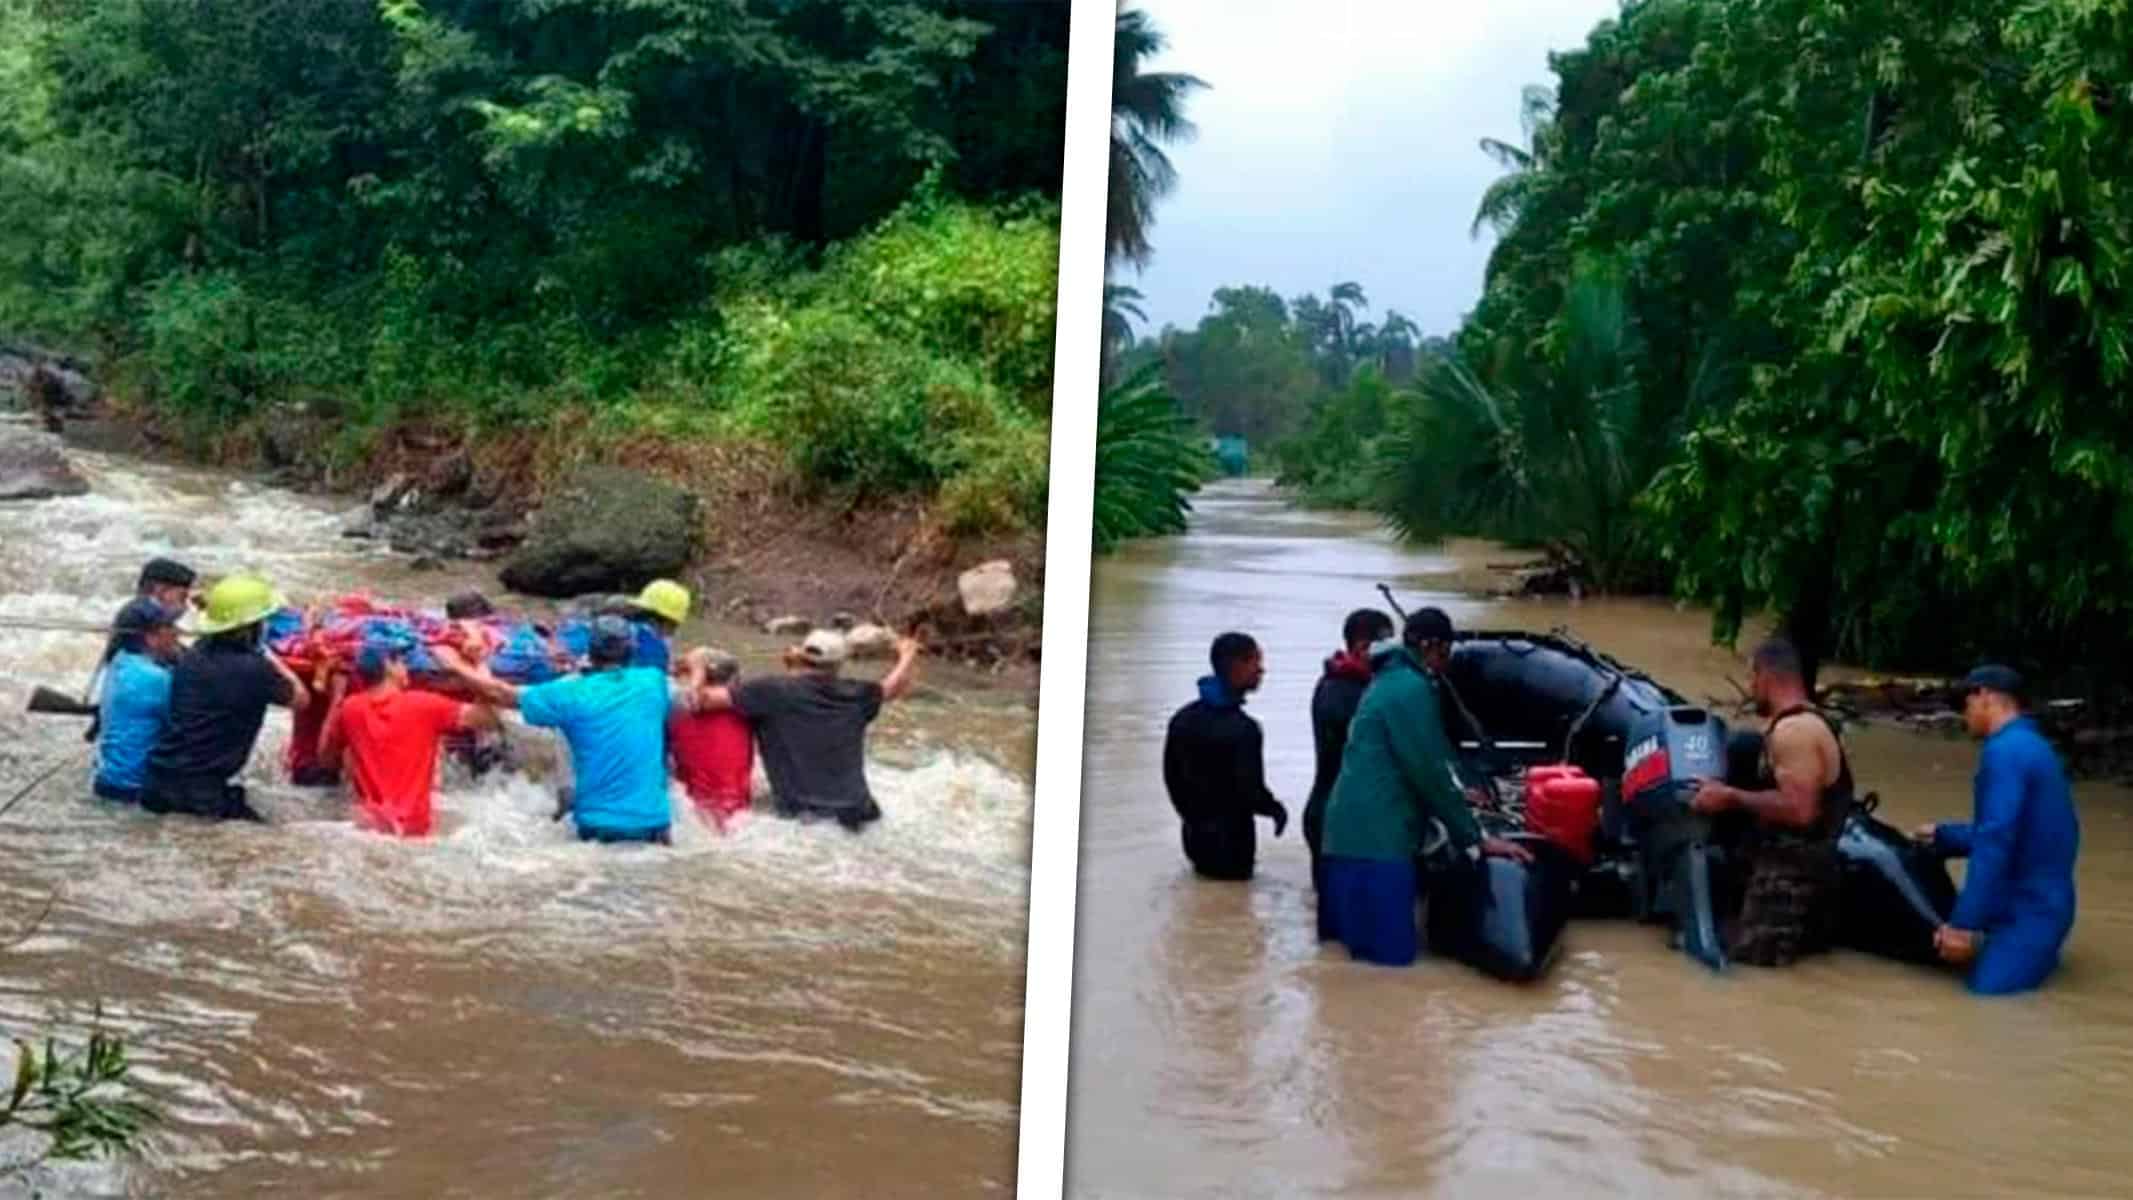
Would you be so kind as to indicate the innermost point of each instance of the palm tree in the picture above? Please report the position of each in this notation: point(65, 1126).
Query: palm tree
point(1555, 453)
point(1500, 205)
point(1121, 309)
point(1147, 112)
point(1396, 344)
point(1346, 300)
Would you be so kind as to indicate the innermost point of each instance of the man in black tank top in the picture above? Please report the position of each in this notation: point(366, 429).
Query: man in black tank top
point(1798, 803)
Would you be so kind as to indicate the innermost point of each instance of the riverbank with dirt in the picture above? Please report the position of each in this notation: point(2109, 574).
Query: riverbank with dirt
point(766, 550)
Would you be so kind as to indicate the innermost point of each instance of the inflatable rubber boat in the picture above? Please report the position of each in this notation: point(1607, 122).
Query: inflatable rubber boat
point(1591, 765)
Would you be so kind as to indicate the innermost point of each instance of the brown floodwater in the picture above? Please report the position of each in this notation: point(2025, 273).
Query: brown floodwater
point(499, 1011)
point(1218, 1051)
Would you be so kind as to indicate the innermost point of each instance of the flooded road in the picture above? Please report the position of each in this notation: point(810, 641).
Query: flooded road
point(500, 1011)
point(1218, 1051)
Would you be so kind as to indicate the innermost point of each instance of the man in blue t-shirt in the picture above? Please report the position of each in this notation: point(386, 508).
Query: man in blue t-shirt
point(614, 718)
point(2017, 904)
point(136, 698)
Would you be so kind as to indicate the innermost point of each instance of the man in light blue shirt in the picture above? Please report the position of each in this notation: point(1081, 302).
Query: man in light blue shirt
point(614, 718)
point(136, 697)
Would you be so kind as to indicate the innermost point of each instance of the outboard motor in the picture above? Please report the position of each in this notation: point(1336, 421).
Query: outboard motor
point(1670, 751)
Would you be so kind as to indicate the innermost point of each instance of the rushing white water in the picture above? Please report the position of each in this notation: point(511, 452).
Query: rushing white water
point(307, 999)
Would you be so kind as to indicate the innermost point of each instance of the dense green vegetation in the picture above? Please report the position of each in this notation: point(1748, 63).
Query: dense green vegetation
point(1149, 455)
point(828, 222)
point(1148, 460)
point(1309, 378)
point(1802, 307)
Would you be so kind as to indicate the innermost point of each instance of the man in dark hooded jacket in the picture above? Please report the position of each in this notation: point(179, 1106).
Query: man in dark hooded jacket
point(1333, 705)
point(1214, 767)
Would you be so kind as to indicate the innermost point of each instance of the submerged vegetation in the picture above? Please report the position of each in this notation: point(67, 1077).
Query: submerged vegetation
point(828, 224)
point(1800, 307)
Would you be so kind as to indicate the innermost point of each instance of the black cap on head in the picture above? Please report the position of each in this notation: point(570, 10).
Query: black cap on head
point(1427, 625)
point(141, 616)
point(1995, 678)
point(467, 606)
point(165, 572)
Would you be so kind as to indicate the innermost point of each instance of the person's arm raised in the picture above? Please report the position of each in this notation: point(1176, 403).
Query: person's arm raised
point(904, 675)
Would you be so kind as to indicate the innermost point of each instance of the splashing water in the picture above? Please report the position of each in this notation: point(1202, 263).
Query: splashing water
point(499, 1009)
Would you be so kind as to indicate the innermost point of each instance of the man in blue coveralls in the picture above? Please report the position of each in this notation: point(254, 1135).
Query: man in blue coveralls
point(2017, 904)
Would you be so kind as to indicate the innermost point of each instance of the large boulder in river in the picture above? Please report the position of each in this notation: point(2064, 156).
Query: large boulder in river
point(605, 529)
point(34, 467)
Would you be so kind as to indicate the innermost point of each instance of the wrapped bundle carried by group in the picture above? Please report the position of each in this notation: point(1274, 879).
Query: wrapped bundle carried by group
point(327, 638)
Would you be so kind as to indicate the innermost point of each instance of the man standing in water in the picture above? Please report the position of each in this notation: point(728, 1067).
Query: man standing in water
point(614, 719)
point(1214, 765)
point(1397, 779)
point(2017, 905)
point(219, 694)
point(1333, 704)
point(1798, 805)
point(136, 697)
point(811, 724)
point(391, 735)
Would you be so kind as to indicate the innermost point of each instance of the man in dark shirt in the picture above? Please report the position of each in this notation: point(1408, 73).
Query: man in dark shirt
point(1214, 766)
point(1333, 705)
point(811, 725)
point(219, 693)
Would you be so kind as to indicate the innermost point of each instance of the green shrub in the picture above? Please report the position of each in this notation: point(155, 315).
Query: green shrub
point(1004, 487)
point(850, 404)
point(975, 284)
point(1148, 460)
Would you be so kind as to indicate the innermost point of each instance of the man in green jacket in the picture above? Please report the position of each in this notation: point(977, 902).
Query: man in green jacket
point(1396, 783)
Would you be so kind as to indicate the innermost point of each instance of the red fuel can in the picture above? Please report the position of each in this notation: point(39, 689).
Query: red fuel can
point(1563, 806)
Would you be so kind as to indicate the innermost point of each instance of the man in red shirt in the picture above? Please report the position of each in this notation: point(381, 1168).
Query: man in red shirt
point(390, 735)
point(713, 752)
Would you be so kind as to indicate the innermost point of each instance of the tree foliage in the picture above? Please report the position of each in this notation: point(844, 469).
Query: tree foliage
point(488, 208)
point(1147, 113)
point(1874, 262)
point(1148, 461)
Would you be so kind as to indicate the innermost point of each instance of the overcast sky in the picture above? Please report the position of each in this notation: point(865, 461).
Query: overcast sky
point(1338, 141)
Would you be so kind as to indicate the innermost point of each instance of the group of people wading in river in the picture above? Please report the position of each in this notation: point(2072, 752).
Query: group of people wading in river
point(1388, 812)
point(176, 726)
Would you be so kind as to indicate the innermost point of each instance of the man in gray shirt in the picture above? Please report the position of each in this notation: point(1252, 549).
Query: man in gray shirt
point(811, 725)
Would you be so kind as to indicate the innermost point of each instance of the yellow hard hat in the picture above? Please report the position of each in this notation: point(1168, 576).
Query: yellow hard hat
point(665, 598)
point(235, 602)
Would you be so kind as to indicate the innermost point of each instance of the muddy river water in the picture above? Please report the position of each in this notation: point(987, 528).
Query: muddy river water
point(1218, 1051)
point(499, 1011)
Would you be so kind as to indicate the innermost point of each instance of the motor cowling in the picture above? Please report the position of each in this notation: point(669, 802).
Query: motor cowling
point(1669, 752)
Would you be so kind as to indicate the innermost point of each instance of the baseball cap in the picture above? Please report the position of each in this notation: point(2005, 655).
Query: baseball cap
point(825, 648)
point(142, 614)
point(1427, 625)
point(1996, 678)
